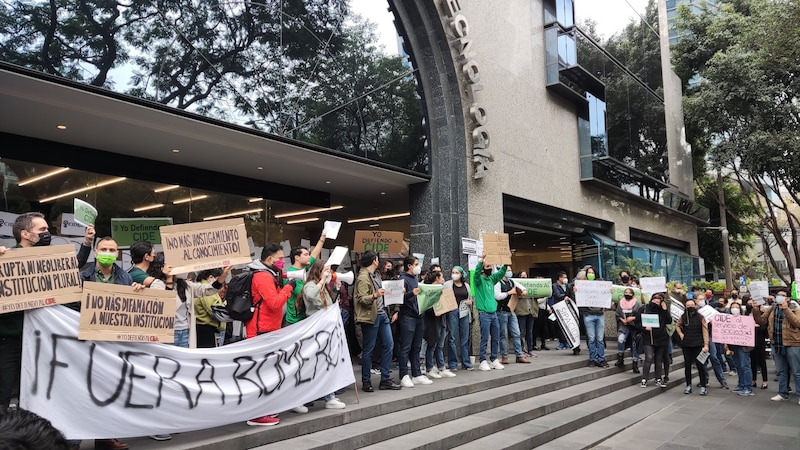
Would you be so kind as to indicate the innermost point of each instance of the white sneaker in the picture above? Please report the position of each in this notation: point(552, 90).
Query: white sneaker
point(406, 382)
point(422, 379)
point(434, 373)
point(496, 365)
point(447, 373)
point(778, 398)
point(334, 403)
point(485, 366)
point(300, 409)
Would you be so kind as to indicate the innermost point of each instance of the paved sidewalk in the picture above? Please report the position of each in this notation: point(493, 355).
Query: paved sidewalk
point(721, 420)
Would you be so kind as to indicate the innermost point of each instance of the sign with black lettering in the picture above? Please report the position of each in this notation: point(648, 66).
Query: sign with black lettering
point(112, 312)
point(378, 241)
point(38, 276)
point(97, 389)
point(496, 248)
point(205, 245)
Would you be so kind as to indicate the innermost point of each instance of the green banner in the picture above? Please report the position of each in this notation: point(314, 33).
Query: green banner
point(617, 292)
point(84, 213)
point(428, 295)
point(128, 231)
point(536, 287)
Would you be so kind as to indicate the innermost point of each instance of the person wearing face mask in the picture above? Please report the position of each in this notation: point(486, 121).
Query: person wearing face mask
point(483, 291)
point(625, 279)
point(503, 294)
point(741, 358)
point(713, 353)
point(693, 331)
point(207, 327)
point(783, 330)
point(411, 328)
point(625, 314)
point(459, 321)
point(758, 357)
point(655, 339)
point(560, 294)
point(595, 324)
point(300, 258)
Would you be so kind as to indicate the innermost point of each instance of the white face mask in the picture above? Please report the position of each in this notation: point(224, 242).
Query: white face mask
point(416, 270)
point(701, 303)
point(455, 276)
point(509, 274)
point(735, 311)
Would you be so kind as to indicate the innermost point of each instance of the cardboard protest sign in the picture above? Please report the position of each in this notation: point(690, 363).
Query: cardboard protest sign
point(536, 287)
point(651, 285)
point(734, 330)
point(38, 276)
point(85, 213)
point(429, 294)
point(205, 245)
point(447, 302)
point(497, 249)
point(113, 312)
point(378, 241)
point(567, 316)
point(650, 320)
point(594, 294)
point(618, 293)
point(393, 292)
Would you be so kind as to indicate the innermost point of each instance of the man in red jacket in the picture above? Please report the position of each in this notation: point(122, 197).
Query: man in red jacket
point(269, 298)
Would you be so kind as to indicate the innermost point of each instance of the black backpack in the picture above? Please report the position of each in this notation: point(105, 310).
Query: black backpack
point(239, 296)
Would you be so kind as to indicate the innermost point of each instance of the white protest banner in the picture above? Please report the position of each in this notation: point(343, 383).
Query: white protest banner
point(759, 289)
point(469, 246)
point(708, 312)
point(93, 389)
point(567, 317)
point(676, 310)
point(734, 330)
point(393, 292)
point(595, 294)
point(85, 213)
point(337, 256)
point(650, 320)
point(332, 229)
point(39, 276)
point(112, 312)
point(205, 245)
point(651, 285)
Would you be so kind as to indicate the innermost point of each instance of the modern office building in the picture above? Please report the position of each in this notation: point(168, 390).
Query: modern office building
point(511, 119)
point(672, 13)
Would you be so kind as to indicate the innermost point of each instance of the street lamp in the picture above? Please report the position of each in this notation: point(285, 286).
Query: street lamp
point(726, 254)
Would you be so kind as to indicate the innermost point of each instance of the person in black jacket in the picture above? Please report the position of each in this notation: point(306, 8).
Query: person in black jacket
point(656, 339)
point(693, 331)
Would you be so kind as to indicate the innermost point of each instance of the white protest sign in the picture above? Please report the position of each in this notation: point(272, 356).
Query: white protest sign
point(337, 256)
point(469, 246)
point(734, 330)
point(68, 226)
point(759, 289)
point(596, 294)
point(332, 229)
point(393, 292)
point(567, 317)
point(650, 320)
point(676, 310)
point(472, 262)
point(106, 389)
point(708, 312)
point(7, 220)
point(651, 285)
point(702, 357)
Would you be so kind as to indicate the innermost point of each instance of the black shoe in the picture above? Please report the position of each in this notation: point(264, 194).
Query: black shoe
point(389, 385)
point(591, 364)
point(575, 351)
point(367, 387)
point(636, 366)
point(546, 348)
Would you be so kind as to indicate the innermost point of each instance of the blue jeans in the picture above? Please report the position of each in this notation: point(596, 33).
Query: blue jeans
point(489, 326)
point(369, 333)
point(410, 330)
point(595, 332)
point(713, 357)
point(793, 356)
point(508, 323)
point(722, 357)
point(182, 338)
point(458, 326)
point(435, 351)
point(781, 357)
point(622, 338)
point(741, 359)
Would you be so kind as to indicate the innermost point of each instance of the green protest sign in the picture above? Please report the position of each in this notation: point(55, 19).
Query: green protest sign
point(128, 231)
point(536, 287)
point(85, 214)
point(428, 295)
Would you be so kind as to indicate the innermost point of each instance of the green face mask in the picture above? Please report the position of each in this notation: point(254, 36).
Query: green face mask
point(590, 276)
point(106, 259)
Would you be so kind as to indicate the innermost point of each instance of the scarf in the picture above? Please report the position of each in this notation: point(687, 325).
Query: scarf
point(777, 327)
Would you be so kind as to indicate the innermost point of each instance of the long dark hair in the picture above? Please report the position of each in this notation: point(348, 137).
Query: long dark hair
point(314, 276)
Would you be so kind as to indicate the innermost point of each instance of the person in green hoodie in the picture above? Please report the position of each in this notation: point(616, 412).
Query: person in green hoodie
point(483, 291)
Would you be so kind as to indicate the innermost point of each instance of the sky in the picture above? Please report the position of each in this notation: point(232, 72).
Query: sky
point(611, 16)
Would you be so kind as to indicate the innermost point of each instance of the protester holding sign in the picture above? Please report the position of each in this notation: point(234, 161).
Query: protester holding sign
point(626, 332)
point(560, 293)
point(595, 323)
point(741, 353)
point(459, 321)
point(300, 259)
point(411, 326)
point(507, 294)
point(783, 329)
point(207, 325)
point(435, 334)
point(655, 338)
point(483, 290)
point(693, 331)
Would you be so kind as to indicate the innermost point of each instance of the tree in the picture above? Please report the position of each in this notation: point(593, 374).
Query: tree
point(746, 106)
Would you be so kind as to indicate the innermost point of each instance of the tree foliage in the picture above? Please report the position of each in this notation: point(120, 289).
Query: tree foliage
point(746, 105)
